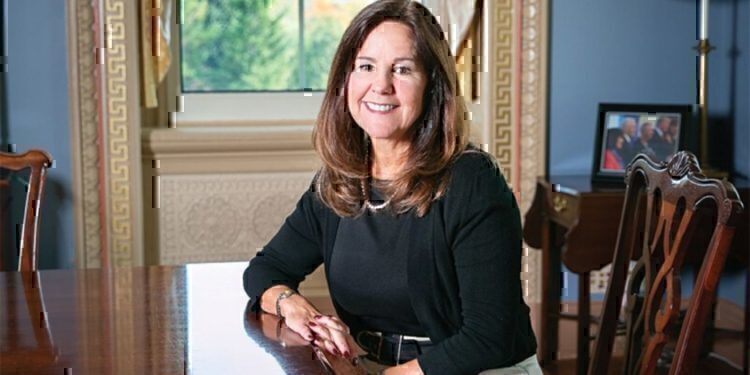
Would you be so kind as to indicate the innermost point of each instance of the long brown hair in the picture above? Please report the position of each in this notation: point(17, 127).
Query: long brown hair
point(438, 136)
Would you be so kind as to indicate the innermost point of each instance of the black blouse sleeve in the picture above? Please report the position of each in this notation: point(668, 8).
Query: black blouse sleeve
point(293, 253)
point(484, 231)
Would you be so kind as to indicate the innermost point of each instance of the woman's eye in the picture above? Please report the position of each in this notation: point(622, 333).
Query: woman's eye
point(402, 70)
point(364, 67)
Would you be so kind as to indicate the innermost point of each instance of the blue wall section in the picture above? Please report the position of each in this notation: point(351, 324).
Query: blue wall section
point(741, 83)
point(613, 51)
point(37, 98)
point(641, 52)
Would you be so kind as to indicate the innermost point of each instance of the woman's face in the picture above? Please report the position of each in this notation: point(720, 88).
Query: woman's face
point(619, 142)
point(387, 84)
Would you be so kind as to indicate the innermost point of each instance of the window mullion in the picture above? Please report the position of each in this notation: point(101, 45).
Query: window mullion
point(301, 52)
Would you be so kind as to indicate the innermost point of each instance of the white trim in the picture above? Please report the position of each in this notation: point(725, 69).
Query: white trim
point(206, 109)
point(160, 142)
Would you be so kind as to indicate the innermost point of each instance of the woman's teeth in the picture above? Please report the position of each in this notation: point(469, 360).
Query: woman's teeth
point(379, 107)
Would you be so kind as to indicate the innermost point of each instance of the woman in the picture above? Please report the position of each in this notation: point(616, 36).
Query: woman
point(613, 153)
point(419, 233)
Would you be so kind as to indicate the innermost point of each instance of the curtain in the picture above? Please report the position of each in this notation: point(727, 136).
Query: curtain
point(456, 17)
point(461, 21)
point(155, 55)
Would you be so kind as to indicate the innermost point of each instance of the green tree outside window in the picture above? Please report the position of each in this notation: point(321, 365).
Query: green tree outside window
point(254, 45)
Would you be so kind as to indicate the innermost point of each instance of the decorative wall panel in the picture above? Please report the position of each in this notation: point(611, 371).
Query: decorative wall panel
point(210, 218)
point(104, 119)
point(517, 105)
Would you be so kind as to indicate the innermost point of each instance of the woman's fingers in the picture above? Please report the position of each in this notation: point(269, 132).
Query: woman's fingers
point(339, 333)
point(336, 336)
point(298, 322)
point(327, 345)
point(300, 328)
point(332, 322)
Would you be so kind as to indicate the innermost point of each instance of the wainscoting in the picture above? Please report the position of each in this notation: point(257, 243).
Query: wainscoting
point(220, 194)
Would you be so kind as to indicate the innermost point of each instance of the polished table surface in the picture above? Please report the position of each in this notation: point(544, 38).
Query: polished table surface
point(152, 320)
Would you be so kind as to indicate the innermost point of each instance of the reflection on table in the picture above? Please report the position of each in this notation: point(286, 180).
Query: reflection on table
point(155, 320)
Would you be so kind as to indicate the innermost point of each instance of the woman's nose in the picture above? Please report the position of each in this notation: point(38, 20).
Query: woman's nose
point(383, 83)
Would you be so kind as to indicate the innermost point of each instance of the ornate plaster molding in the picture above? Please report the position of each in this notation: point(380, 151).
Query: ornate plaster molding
point(533, 119)
point(84, 123)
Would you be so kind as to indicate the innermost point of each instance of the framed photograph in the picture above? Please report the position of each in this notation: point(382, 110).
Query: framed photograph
point(626, 130)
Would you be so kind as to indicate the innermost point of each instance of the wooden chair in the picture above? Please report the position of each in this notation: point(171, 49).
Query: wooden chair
point(37, 161)
point(664, 205)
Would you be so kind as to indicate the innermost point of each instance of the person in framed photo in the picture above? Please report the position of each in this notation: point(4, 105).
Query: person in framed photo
point(664, 141)
point(643, 144)
point(628, 127)
point(613, 158)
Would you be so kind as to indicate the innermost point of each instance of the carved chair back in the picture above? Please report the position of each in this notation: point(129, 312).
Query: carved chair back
point(37, 162)
point(665, 204)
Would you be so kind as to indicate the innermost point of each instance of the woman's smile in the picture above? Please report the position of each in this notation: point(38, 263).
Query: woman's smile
point(380, 108)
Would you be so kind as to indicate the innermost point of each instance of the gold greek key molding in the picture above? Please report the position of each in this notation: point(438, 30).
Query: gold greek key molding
point(502, 84)
point(119, 173)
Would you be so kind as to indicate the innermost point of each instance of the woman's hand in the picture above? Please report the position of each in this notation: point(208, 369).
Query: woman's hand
point(274, 328)
point(333, 335)
point(326, 332)
point(296, 310)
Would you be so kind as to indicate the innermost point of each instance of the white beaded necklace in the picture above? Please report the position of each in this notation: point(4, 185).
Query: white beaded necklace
point(365, 196)
point(369, 205)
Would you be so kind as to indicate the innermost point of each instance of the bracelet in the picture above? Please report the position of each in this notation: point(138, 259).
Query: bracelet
point(285, 294)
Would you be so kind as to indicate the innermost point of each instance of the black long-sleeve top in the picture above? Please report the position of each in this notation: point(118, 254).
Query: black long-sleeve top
point(463, 269)
point(367, 271)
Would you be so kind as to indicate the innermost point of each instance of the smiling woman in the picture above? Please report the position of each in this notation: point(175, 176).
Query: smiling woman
point(418, 230)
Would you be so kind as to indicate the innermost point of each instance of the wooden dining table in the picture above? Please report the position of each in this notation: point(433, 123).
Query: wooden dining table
point(191, 319)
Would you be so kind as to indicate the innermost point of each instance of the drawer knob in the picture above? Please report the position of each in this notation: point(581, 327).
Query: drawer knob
point(559, 203)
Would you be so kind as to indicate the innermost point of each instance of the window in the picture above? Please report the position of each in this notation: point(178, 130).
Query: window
point(261, 45)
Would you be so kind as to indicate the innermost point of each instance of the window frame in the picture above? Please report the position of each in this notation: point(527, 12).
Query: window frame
point(247, 109)
point(233, 109)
